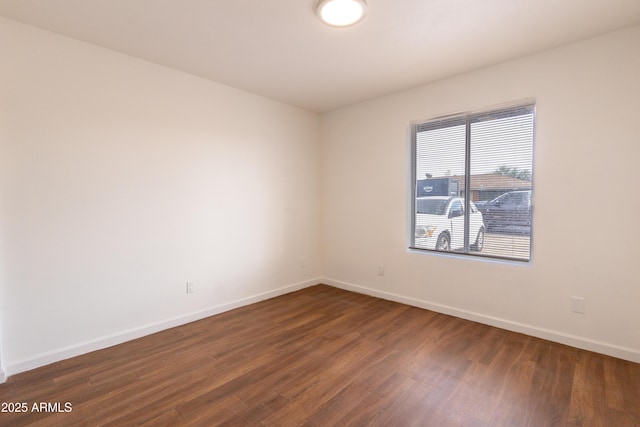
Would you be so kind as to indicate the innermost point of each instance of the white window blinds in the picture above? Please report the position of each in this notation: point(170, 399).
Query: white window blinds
point(482, 162)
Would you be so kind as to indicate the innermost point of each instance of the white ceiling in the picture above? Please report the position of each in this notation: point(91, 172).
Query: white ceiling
point(279, 49)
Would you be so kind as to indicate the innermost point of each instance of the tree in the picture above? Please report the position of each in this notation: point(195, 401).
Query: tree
point(524, 174)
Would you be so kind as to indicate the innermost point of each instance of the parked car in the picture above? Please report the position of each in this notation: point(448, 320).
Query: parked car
point(509, 212)
point(440, 224)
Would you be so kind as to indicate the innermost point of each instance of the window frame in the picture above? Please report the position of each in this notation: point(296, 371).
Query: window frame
point(468, 117)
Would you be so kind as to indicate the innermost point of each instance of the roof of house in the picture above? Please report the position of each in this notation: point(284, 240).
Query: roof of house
point(494, 181)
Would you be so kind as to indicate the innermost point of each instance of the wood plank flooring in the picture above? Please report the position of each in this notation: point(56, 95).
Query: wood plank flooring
point(327, 357)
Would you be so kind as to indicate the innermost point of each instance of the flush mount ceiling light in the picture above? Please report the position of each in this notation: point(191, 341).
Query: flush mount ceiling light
point(341, 13)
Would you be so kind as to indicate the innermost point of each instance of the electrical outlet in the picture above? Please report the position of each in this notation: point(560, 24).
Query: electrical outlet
point(578, 305)
point(191, 289)
point(381, 270)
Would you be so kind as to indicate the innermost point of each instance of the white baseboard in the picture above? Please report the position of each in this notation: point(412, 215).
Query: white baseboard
point(3, 377)
point(609, 349)
point(119, 338)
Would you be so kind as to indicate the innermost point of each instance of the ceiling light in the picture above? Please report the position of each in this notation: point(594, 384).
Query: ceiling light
point(341, 13)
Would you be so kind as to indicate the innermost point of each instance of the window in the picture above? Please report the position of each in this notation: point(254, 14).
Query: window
point(471, 183)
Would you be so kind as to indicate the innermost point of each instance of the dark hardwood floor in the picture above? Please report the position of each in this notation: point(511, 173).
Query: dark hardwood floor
point(327, 357)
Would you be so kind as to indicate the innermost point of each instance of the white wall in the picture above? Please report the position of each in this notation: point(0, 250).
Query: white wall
point(123, 180)
point(586, 230)
point(4, 182)
point(3, 376)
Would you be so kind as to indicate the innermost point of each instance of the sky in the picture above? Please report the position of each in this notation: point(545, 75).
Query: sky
point(494, 143)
